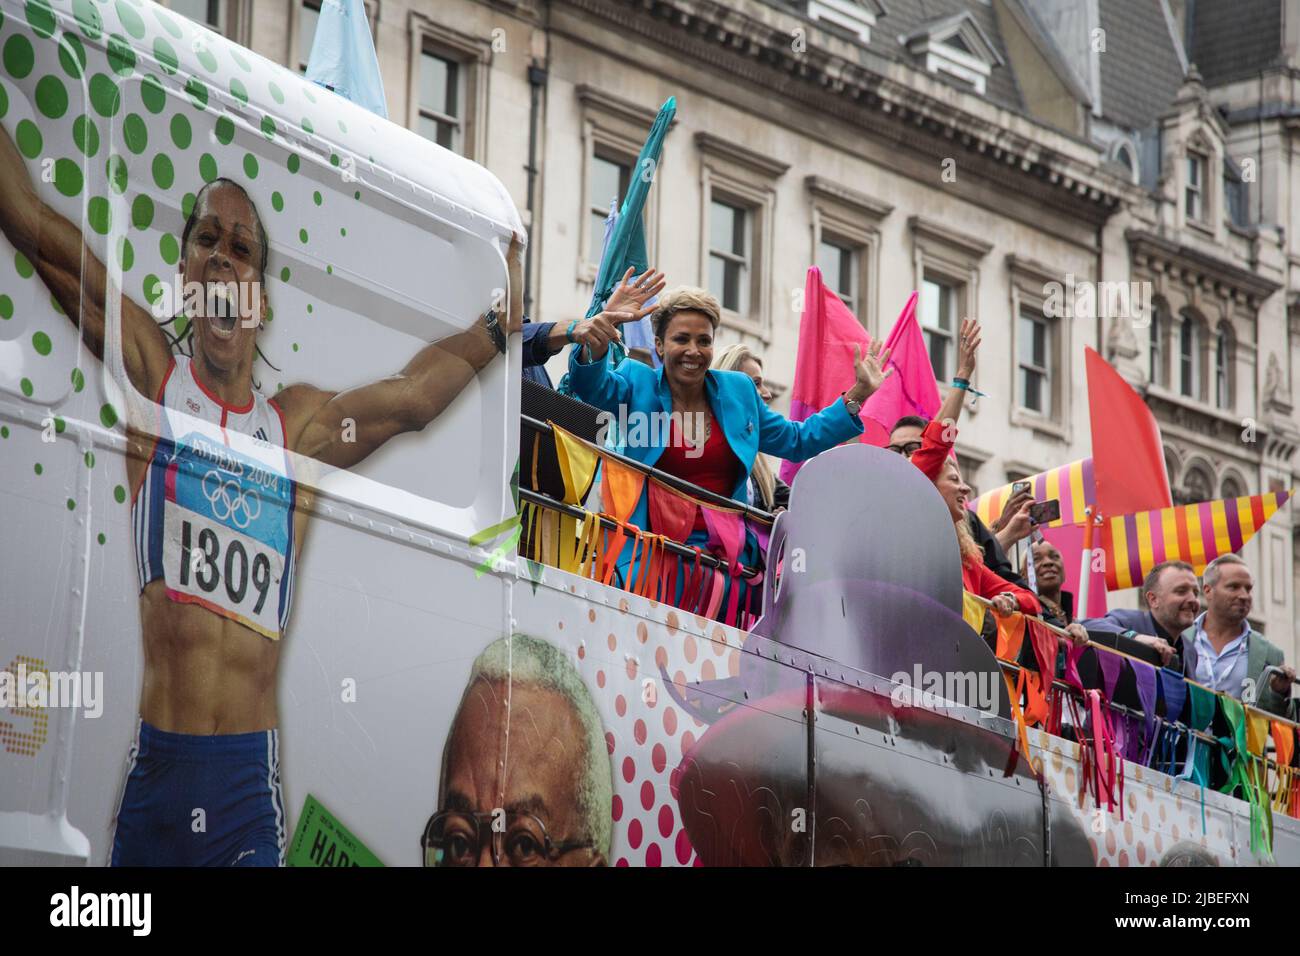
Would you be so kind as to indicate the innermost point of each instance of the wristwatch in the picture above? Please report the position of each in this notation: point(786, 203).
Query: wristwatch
point(855, 408)
point(494, 330)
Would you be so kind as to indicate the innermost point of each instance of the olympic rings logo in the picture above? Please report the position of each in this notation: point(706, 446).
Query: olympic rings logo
point(230, 501)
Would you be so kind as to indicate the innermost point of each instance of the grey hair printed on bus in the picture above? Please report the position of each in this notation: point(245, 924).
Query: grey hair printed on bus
point(537, 663)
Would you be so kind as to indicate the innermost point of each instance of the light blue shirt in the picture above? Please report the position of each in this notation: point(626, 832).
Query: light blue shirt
point(1224, 671)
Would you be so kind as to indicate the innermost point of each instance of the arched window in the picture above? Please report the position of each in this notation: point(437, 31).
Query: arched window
point(1197, 486)
point(1188, 357)
point(1232, 488)
point(1222, 375)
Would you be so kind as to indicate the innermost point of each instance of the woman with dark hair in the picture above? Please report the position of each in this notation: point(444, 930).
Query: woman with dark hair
point(718, 420)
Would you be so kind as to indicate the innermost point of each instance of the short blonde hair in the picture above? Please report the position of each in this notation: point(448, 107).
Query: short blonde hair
point(685, 299)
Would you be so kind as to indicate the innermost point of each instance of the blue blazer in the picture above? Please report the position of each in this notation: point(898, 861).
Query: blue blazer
point(747, 423)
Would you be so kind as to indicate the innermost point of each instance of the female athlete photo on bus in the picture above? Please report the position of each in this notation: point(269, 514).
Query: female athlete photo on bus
point(218, 519)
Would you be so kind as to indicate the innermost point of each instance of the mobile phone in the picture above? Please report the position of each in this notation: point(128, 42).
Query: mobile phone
point(1045, 512)
point(1019, 487)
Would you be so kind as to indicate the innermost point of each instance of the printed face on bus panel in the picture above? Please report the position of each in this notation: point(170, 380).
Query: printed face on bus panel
point(545, 761)
point(225, 247)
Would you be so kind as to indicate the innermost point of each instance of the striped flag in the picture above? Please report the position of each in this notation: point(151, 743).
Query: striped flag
point(1196, 534)
point(1072, 484)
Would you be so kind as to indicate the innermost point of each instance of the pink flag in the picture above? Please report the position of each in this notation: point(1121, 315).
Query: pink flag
point(823, 369)
point(910, 389)
point(828, 331)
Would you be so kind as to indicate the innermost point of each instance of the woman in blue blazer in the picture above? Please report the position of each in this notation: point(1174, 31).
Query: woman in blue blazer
point(721, 422)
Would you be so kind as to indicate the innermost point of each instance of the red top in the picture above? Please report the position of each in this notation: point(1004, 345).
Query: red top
point(975, 575)
point(716, 469)
point(978, 579)
point(934, 450)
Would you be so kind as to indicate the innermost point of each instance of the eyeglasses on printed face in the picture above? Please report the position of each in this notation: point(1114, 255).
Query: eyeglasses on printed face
point(456, 838)
point(907, 449)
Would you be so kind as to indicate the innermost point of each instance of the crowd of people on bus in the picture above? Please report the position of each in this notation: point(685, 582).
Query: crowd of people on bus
point(1198, 626)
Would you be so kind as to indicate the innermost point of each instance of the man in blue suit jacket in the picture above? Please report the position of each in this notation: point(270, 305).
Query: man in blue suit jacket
point(685, 320)
point(1170, 593)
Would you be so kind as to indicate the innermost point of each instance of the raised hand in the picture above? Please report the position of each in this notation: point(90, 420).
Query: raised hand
point(968, 345)
point(598, 331)
point(631, 294)
point(871, 369)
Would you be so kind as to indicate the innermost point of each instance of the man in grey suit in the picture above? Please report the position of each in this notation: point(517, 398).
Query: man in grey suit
point(1223, 652)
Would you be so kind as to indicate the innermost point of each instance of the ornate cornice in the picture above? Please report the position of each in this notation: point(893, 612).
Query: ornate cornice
point(750, 42)
point(725, 149)
point(971, 246)
point(860, 202)
point(1159, 254)
point(626, 110)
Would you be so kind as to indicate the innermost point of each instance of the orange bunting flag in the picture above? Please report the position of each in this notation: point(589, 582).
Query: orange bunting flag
point(1197, 534)
point(620, 488)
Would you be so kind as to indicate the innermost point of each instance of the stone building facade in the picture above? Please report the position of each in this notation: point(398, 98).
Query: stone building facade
point(1130, 158)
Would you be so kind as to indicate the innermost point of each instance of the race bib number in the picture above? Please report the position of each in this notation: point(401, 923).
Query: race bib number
point(226, 533)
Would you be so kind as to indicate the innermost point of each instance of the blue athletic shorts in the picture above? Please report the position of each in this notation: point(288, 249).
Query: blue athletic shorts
point(201, 801)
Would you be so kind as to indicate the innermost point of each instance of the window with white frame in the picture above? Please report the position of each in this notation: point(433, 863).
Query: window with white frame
point(447, 86)
point(1222, 369)
point(737, 222)
point(1034, 385)
point(937, 308)
point(838, 263)
point(1156, 346)
point(846, 243)
point(608, 182)
point(730, 245)
point(1188, 357)
point(440, 103)
point(1194, 205)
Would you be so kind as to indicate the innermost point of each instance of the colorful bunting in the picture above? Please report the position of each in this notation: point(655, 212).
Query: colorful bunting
point(1070, 484)
point(1197, 534)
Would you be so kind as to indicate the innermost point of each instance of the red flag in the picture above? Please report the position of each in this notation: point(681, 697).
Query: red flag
point(1127, 457)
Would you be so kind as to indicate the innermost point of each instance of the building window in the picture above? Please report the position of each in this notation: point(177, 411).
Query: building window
point(846, 243)
point(440, 102)
point(207, 12)
point(838, 262)
point(1188, 358)
point(1156, 351)
point(308, 17)
point(1197, 486)
point(938, 308)
point(1222, 381)
point(608, 183)
point(447, 77)
point(1035, 375)
point(1194, 191)
point(730, 245)
point(1232, 488)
